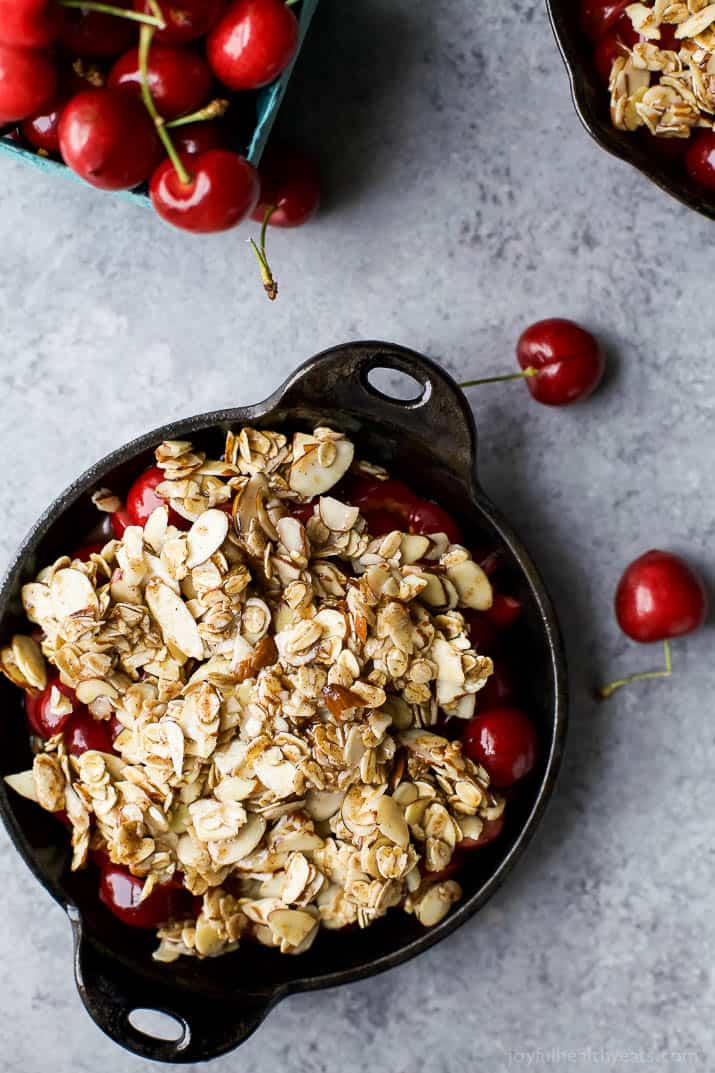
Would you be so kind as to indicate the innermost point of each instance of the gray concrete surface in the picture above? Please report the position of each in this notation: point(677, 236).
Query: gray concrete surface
point(463, 200)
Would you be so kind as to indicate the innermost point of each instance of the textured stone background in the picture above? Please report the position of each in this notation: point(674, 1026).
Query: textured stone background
point(463, 201)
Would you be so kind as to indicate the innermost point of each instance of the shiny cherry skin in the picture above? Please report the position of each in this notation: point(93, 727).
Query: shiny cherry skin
point(222, 191)
point(613, 44)
point(28, 82)
point(303, 511)
point(252, 43)
point(500, 688)
point(107, 137)
point(700, 159)
point(502, 740)
point(83, 732)
point(598, 16)
point(660, 596)
point(30, 23)
point(43, 130)
point(427, 518)
point(491, 829)
point(119, 521)
point(121, 892)
point(143, 499)
point(198, 137)
point(186, 20)
point(570, 361)
point(505, 611)
point(291, 182)
point(95, 34)
point(180, 80)
point(40, 716)
point(382, 522)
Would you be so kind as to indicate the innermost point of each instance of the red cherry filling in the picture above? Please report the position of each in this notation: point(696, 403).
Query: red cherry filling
point(428, 518)
point(614, 44)
point(86, 551)
point(504, 742)
point(700, 159)
point(143, 499)
point(659, 597)
point(121, 893)
point(382, 522)
point(42, 719)
point(120, 520)
point(505, 611)
point(83, 732)
point(598, 16)
point(371, 494)
point(491, 829)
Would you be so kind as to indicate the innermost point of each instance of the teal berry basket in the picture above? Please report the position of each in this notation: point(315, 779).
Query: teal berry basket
point(266, 103)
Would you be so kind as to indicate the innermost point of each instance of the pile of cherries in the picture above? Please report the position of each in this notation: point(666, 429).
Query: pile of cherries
point(610, 29)
point(134, 91)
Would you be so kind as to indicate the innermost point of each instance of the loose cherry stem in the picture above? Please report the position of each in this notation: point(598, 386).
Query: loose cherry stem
point(269, 284)
point(524, 374)
point(146, 35)
point(214, 110)
point(606, 691)
point(156, 20)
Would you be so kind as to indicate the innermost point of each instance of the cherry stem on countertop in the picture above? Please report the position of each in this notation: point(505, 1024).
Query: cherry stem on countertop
point(146, 35)
point(606, 691)
point(156, 20)
point(524, 374)
point(269, 284)
point(214, 110)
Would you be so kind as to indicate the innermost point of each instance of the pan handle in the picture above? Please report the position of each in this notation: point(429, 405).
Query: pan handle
point(339, 377)
point(202, 1028)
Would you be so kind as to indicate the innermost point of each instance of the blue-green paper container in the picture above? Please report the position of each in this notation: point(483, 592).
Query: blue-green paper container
point(268, 102)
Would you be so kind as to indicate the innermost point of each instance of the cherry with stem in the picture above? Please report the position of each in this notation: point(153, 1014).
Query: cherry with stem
point(215, 109)
point(156, 20)
point(523, 375)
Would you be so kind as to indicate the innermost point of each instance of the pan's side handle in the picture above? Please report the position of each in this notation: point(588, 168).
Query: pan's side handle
point(200, 1028)
point(439, 413)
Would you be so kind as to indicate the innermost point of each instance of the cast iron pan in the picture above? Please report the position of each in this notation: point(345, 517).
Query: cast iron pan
point(429, 442)
point(591, 99)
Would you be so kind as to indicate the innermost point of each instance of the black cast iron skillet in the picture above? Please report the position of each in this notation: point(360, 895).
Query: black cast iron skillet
point(591, 99)
point(430, 442)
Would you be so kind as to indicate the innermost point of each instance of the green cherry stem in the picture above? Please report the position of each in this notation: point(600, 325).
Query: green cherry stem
point(213, 110)
point(156, 20)
point(269, 284)
point(145, 38)
point(524, 374)
point(608, 690)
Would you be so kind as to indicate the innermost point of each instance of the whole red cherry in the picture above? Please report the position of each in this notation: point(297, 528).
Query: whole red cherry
point(30, 23)
point(501, 687)
point(658, 597)
point(143, 499)
point(700, 159)
point(85, 552)
point(120, 520)
point(121, 892)
point(179, 80)
point(222, 191)
point(290, 183)
point(372, 495)
point(43, 130)
point(96, 34)
point(28, 82)
point(504, 741)
point(382, 522)
point(427, 518)
point(185, 19)
point(598, 16)
point(107, 137)
point(252, 43)
point(83, 732)
point(38, 708)
point(568, 360)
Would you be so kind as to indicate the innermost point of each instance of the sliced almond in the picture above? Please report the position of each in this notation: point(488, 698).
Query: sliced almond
point(391, 821)
point(30, 661)
point(155, 528)
point(92, 689)
point(23, 784)
point(248, 837)
point(37, 601)
point(309, 478)
point(234, 788)
point(175, 621)
point(322, 804)
point(206, 536)
point(413, 547)
point(71, 591)
point(434, 905)
point(472, 585)
point(291, 926)
point(339, 517)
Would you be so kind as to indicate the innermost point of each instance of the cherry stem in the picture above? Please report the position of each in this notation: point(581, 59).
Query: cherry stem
point(606, 691)
point(525, 373)
point(269, 284)
point(146, 35)
point(214, 110)
point(156, 20)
